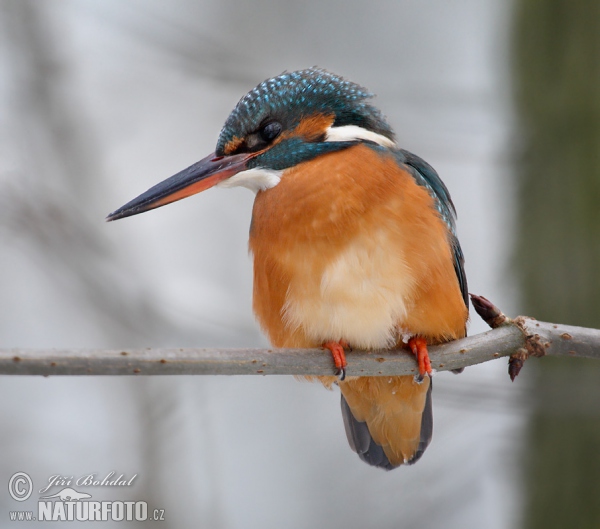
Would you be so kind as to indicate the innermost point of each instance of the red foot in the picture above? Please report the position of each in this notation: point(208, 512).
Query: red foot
point(339, 357)
point(418, 346)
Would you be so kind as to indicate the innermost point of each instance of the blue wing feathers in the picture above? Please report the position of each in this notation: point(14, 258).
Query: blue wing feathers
point(426, 176)
point(459, 268)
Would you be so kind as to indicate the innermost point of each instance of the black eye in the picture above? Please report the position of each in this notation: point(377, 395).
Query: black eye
point(269, 131)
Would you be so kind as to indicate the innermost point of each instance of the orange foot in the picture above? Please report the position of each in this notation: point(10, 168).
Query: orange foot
point(339, 357)
point(418, 346)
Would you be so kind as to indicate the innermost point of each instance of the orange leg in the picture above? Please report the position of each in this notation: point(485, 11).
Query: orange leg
point(339, 357)
point(418, 346)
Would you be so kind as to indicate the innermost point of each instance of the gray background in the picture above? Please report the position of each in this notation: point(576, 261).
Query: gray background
point(100, 101)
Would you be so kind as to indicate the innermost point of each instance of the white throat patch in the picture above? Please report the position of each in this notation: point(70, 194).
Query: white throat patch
point(354, 132)
point(257, 179)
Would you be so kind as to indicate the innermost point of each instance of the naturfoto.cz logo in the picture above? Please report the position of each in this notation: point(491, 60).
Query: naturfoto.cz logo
point(69, 504)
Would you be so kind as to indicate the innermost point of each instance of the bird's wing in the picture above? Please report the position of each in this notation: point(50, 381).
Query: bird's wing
point(426, 176)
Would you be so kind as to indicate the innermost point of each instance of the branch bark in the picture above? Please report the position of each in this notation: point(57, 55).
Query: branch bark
point(524, 336)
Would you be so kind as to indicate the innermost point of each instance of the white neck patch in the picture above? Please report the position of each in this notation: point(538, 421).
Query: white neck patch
point(257, 179)
point(354, 132)
point(260, 178)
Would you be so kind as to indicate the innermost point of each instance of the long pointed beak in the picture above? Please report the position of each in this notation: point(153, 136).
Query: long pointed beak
point(196, 178)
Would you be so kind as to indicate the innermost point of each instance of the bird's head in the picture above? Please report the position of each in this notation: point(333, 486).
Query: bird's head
point(284, 121)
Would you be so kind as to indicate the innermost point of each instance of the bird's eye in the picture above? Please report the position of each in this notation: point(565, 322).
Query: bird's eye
point(269, 131)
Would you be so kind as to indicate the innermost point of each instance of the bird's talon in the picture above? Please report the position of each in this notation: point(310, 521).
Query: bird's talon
point(339, 357)
point(418, 346)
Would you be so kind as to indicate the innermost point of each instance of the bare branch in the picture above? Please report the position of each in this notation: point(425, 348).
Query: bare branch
point(524, 335)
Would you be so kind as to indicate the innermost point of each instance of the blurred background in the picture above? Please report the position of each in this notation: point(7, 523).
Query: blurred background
point(101, 100)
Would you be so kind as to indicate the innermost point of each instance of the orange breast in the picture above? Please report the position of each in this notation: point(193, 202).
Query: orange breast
point(348, 246)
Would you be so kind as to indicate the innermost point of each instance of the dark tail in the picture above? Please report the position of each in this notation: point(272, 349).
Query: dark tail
point(392, 421)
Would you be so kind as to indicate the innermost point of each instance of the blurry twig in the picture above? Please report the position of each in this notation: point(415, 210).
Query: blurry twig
point(513, 336)
point(536, 344)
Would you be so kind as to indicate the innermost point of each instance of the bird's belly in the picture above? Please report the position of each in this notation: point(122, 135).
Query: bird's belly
point(361, 295)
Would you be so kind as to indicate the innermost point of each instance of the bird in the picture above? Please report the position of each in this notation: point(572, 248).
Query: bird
point(353, 241)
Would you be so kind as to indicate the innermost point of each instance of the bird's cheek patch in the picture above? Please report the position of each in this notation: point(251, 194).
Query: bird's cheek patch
point(312, 128)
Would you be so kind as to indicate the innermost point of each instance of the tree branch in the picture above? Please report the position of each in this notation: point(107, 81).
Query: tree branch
point(521, 336)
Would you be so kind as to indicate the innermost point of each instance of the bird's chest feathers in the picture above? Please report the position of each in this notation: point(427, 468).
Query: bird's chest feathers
point(331, 252)
point(358, 295)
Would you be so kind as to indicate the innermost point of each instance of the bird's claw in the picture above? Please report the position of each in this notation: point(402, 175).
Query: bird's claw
point(418, 346)
point(339, 357)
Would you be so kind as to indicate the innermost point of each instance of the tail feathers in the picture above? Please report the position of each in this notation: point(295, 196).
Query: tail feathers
point(361, 442)
point(396, 442)
point(426, 427)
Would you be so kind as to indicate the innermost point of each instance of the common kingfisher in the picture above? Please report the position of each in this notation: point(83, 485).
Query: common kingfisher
point(353, 240)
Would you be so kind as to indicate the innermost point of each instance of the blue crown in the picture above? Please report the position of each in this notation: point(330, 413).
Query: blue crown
point(289, 97)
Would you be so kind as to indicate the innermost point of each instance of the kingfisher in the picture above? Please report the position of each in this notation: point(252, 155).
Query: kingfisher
point(353, 241)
